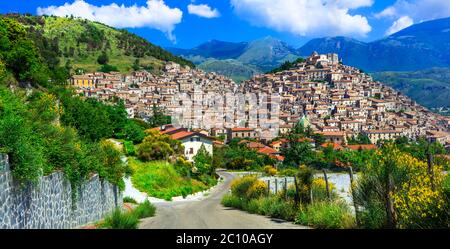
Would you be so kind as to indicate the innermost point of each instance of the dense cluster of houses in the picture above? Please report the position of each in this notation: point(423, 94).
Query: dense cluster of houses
point(340, 101)
point(333, 99)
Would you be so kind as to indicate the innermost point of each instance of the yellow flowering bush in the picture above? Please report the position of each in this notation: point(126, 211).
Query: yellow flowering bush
point(319, 183)
point(248, 187)
point(420, 201)
point(418, 198)
point(257, 189)
point(319, 189)
point(269, 170)
point(47, 107)
point(240, 186)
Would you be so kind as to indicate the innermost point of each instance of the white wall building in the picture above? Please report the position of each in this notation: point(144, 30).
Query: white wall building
point(192, 142)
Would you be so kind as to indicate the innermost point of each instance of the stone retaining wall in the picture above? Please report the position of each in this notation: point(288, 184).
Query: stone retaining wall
point(49, 204)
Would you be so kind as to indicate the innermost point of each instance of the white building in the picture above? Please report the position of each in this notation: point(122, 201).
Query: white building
point(192, 142)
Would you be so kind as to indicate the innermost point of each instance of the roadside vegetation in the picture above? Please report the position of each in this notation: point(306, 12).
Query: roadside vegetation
point(44, 127)
point(293, 204)
point(120, 219)
point(161, 179)
point(400, 184)
point(238, 157)
point(160, 170)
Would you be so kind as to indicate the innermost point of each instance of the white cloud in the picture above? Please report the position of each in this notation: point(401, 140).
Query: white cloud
point(419, 10)
point(156, 14)
point(401, 23)
point(203, 10)
point(306, 17)
point(353, 4)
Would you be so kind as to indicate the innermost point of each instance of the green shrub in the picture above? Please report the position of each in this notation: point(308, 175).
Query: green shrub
point(240, 186)
point(290, 192)
point(121, 220)
point(373, 216)
point(128, 199)
point(269, 170)
point(106, 68)
point(144, 210)
point(326, 215)
point(229, 200)
point(288, 172)
point(128, 147)
point(277, 208)
point(253, 206)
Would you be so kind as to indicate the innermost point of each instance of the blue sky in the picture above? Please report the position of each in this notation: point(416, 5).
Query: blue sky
point(187, 23)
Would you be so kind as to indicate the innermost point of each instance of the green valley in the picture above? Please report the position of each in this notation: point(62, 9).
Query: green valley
point(430, 87)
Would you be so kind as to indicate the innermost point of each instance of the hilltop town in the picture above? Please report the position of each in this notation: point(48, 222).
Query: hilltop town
point(334, 99)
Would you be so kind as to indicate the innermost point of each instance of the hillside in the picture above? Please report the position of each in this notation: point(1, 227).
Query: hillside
point(231, 68)
point(226, 57)
point(430, 87)
point(45, 127)
point(420, 46)
point(81, 42)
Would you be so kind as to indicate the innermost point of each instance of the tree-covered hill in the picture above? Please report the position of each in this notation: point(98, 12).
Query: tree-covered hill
point(44, 125)
point(429, 87)
point(79, 43)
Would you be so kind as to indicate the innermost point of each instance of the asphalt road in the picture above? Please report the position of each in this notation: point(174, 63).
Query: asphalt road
point(210, 214)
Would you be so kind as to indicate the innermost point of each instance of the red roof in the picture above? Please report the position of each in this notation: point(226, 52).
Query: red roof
point(334, 145)
point(169, 130)
point(362, 147)
point(184, 134)
point(181, 135)
point(241, 129)
point(277, 157)
point(280, 141)
point(255, 145)
point(267, 150)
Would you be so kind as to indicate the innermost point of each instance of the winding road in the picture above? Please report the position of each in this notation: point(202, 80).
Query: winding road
point(210, 214)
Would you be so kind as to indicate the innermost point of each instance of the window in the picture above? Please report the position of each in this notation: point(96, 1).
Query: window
point(191, 150)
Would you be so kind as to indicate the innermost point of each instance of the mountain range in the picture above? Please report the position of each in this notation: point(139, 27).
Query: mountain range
point(239, 60)
point(420, 46)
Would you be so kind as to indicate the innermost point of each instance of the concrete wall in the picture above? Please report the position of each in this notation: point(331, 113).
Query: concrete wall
point(49, 203)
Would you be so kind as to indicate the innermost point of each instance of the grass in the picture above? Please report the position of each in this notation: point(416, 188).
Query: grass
point(128, 220)
point(120, 220)
point(128, 199)
point(129, 149)
point(330, 215)
point(272, 206)
point(161, 180)
point(144, 210)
